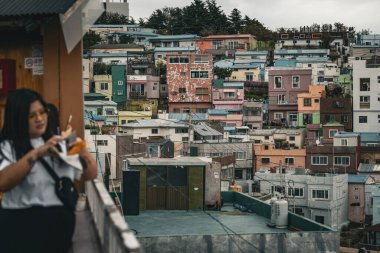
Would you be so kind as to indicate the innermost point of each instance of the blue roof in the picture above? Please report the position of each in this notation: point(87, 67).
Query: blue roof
point(370, 137)
point(300, 51)
point(343, 134)
point(176, 37)
point(224, 64)
point(138, 33)
point(242, 53)
point(229, 128)
point(285, 63)
point(233, 84)
point(91, 116)
point(217, 112)
point(357, 179)
point(105, 55)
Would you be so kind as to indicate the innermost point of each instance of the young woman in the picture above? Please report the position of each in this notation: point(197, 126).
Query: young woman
point(32, 218)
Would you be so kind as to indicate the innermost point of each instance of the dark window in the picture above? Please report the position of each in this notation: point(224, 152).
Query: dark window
point(154, 131)
point(320, 219)
point(362, 119)
point(307, 101)
point(292, 138)
point(182, 90)
point(265, 160)
point(365, 84)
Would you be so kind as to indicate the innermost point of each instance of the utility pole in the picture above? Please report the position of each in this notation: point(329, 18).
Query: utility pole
point(189, 134)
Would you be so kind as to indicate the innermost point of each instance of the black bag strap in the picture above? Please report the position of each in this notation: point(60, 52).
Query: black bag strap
point(49, 169)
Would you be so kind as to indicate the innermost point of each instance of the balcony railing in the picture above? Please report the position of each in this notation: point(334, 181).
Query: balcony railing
point(137, 94)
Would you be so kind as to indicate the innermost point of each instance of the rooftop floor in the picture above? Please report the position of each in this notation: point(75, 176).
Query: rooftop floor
point(177, 223)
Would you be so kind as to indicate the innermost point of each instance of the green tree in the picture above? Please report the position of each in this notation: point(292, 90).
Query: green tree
point(194, 17)
point(101, 68)
point(90, 39)
point(157, 21)
point(222, 73)
point(235, 21)
point(125, 39)
point(113, 18)
point(216, 20)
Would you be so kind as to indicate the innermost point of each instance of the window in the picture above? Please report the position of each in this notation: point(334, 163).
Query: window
point(321, 79)
point(289, 160)
point(342, 160)
point(277, 82)
point(329, 118)
point(104, 86)
point(120, 92)
point(266, 147)
point(307, 102)
point(186, 110)
point(281, 99)
point(292, 138)
point(378, 79)
point(295, 81)
point(378, 118)
point(319, 160)
point(102, 142)
point(316, 101)
point(265, 160)
point(154, 131)
point(277, 188)
point(232, 44)
point(377, 161)
point(332, 132)
point(307, 119)
point(201, 110)
point(362, 119)
point(176, 110)
point(201, 91)
point(249, 76)
point(123, 121)
point(278, 115)
point(296, 192)
point(181, 130)
point(320, 194)
point(182, 90)
point(343, 142)
point(201, 59)
point(293, 117)
point(120, 82)
point(179, 60)
point(320, 219)
point(241, 155)
point(199, 74)
point(365, 84)
point(364, 99)
point(266, 137)
point(216, 44)
point(344, 119)
point(338, 104)
point(185, 138)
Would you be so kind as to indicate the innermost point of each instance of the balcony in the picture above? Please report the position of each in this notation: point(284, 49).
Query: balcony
point(365, 105)
point(282, 102)
point(137, 95)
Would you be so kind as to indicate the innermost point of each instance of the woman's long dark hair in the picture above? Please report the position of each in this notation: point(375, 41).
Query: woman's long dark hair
point(16, 120)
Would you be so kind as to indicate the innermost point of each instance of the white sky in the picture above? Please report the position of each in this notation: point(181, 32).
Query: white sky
point(361, 14)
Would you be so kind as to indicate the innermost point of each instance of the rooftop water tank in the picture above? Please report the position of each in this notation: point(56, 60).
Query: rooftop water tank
point(281, 213)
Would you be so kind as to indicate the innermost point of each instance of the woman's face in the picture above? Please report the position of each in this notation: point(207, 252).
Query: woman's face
point(37, 119)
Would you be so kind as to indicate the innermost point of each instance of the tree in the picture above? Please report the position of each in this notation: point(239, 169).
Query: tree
point(235, 21)
point(113, 18)
point(216, 20)
point(194, 17)
point(222, 73)
point(101, 68)
point(125, 39)
point(90, 39)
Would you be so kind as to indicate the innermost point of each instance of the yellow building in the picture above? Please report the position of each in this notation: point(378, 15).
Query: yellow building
point(126, 116)
point(103, 85)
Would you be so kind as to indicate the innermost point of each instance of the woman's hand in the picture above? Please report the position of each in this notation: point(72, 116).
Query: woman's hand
point(49, 148)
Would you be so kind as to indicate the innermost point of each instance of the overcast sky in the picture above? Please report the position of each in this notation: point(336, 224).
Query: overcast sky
point(361, 14)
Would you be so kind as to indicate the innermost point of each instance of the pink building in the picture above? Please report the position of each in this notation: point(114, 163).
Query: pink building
point(224, 117)
point(356, 196)
point(189, 80)
point(143, 86)
point(283, 87)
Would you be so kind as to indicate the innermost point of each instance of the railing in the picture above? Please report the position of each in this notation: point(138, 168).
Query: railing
point(113, 231)
point(136, 94)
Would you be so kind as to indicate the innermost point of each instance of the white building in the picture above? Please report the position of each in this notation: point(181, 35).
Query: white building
point(320, 198)
point(366, 97)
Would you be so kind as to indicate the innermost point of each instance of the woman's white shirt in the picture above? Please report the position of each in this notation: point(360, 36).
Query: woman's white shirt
point(37, 188)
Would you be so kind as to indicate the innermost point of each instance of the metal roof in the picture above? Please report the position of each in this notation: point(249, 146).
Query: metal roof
point(100, 102)
point(175, 49)
point(357, 179)
point(185, 116)
point(205, 130)
point(369, 137)
point(156, 123)
point(115, 46)
point(300, 51)
point(175, 37)
point(176, 161)
point(285, 63)
point(34, 7)
point(240, 53)
point(217, 112)
point(343, 134)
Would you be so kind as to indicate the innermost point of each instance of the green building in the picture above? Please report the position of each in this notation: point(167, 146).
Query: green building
point(119, 90)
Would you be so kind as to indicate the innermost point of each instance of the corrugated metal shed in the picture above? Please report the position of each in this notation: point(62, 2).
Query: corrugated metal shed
point(357, 179)
point(33, 7)
point(205, 130)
